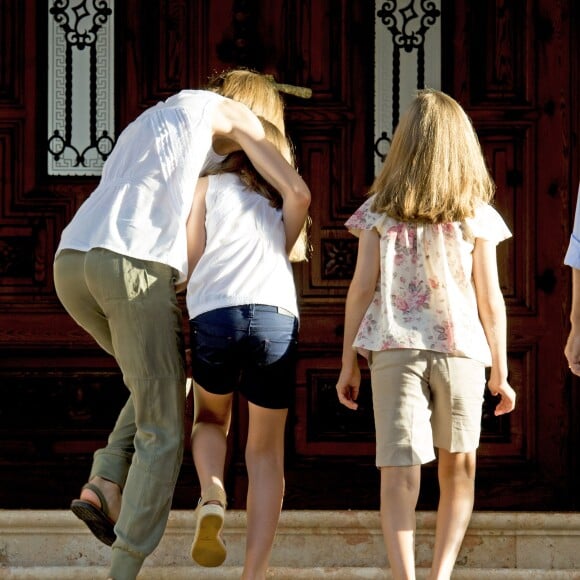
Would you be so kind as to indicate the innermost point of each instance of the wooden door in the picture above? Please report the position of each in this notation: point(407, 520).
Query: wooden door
point(513, 66)
point(511, 70)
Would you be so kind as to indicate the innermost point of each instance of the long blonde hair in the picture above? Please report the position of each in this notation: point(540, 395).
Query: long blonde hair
point(435, 171)
point(257, 91)
point(239, 163)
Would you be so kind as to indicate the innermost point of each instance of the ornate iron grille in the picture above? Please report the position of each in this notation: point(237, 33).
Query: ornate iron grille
point(81, 86)
point(408, 58)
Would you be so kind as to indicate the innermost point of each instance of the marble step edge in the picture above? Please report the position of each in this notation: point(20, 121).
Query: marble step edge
point(308, 540)
point(277, 573)
point(321, 521)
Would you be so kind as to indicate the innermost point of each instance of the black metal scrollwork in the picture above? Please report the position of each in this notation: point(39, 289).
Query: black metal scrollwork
point(408, 29)
point(81, 27)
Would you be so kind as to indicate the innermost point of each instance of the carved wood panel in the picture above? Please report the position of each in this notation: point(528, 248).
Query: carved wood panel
point(509, 71)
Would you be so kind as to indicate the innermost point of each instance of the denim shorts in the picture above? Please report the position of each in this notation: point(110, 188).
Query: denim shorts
point(249, 348)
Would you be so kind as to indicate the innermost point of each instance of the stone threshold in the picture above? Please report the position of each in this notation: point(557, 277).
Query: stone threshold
point(309, 544)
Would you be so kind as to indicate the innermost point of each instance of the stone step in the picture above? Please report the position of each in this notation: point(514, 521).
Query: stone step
point(309, 544)
point(279, 573)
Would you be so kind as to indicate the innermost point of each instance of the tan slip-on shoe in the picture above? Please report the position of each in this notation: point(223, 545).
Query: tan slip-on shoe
point(208, 548)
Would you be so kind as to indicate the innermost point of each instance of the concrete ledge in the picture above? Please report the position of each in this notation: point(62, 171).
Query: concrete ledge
point(309, 544)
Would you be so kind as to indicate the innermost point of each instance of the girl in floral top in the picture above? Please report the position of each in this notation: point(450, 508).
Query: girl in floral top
point(426, 310)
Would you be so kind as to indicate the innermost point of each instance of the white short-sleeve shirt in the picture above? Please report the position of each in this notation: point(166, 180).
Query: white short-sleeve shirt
point(141, 205)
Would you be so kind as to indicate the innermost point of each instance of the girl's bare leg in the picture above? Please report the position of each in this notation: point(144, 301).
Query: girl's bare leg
point(457, 485)
point(209, 436)
point(265, 464)
point(399, 495)
point(208, 445)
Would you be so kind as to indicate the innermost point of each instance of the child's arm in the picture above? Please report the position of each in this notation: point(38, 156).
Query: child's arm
point(360, 294)
point(195, 229)
point(239, 128)
point(492, 313)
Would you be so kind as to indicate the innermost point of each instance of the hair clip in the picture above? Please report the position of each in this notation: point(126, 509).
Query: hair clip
point(302, 92)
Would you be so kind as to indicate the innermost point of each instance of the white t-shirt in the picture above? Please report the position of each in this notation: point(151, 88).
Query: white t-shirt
point(142, 202)
point(245, 260)
point(425, 298)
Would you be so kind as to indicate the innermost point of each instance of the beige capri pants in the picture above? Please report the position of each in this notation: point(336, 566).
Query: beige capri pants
point(424, 399)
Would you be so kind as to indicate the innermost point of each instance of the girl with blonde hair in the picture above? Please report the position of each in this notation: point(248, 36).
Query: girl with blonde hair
point(426, 309)
point(243, 312)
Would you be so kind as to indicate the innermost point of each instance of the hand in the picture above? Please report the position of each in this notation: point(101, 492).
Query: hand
point(507, 396)
point(348, 386)
point(572, 352)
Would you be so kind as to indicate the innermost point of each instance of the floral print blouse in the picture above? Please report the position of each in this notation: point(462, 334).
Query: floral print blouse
point(425, 298)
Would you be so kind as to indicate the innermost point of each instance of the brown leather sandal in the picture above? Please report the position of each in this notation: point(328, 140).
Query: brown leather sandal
point(208, 548)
